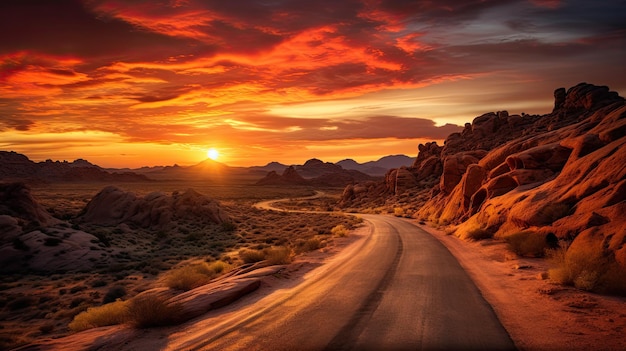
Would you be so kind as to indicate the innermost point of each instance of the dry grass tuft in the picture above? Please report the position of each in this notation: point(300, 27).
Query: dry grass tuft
point(527, 243)
point(479, 234)
point(398, 212)
point(189, 277)
point(273, 255)
point(251, 256)
point(100, 316)
point(152, 311)
point(279, 255)
point(340, 230)
point(589, 268)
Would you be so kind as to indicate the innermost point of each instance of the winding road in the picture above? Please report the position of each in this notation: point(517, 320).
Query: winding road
point(399, 288)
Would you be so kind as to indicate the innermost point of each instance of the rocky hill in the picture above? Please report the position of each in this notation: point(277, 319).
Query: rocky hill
point(378, 167)
point(113, 206)
point(559, 178)
point(319, 174)
point(17, 167)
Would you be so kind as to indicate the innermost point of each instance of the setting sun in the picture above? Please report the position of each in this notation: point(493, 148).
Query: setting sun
point(212, 154)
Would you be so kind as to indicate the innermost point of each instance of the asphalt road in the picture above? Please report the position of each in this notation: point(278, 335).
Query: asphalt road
point(400, 290)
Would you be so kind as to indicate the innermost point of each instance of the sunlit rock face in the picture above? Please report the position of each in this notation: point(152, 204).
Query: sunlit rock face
point(113, 206)
point(563, 173)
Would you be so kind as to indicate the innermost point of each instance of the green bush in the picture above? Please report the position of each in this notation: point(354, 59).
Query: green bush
point(527, 243)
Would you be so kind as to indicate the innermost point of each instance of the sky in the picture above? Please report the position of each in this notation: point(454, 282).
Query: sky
point(130, 83)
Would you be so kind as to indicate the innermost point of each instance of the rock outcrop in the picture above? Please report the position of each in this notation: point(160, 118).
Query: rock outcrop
point(113, 206)
point(560, 175)
point(32, 240)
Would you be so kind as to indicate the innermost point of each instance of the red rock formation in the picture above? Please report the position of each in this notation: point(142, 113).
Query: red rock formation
point(562, 174)
point(113, 206)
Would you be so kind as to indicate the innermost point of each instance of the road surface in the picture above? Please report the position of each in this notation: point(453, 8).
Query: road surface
point(399, 289)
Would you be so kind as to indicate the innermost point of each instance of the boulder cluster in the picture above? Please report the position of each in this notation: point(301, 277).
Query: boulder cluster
point(561, 174)
point(113, 206)
point(31, 239)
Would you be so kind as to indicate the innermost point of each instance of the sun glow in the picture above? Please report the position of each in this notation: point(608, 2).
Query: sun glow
point(213, 154)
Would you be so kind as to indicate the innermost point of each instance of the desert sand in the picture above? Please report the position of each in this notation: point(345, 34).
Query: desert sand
point(538, 314)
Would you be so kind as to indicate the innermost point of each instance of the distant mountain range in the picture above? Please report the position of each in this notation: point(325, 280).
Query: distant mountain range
point(16, 166)
point(380, 167)
point(373, 168)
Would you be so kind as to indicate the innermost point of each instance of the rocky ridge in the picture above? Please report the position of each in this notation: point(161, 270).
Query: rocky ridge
point(17, 167)
point(560, 175)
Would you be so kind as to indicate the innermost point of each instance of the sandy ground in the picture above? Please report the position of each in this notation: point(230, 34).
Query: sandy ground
point(538, 314)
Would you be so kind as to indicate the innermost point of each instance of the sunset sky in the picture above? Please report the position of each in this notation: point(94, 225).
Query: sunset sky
point(127, 83)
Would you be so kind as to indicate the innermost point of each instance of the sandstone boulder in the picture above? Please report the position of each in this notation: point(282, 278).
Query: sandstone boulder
point(16, 201)
point(551, 156)
point(404, 180)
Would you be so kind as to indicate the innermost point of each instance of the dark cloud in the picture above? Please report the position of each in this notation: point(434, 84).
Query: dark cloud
point(377, 127)
point(68, 27)
point(16, 124)
point(149, 70)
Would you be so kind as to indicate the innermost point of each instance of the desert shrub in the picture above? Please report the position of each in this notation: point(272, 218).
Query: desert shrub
point(251, 256)
point(310, 244)
point(398, 212)
point(339, 230)
point(479, 234)
point(219, 267)
point(588, 267)
point(278, 255)
point(189, 277)
point(527, 243)
point(109, 314)
point(18, 244)
point(152, 311)
point(553, 211)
